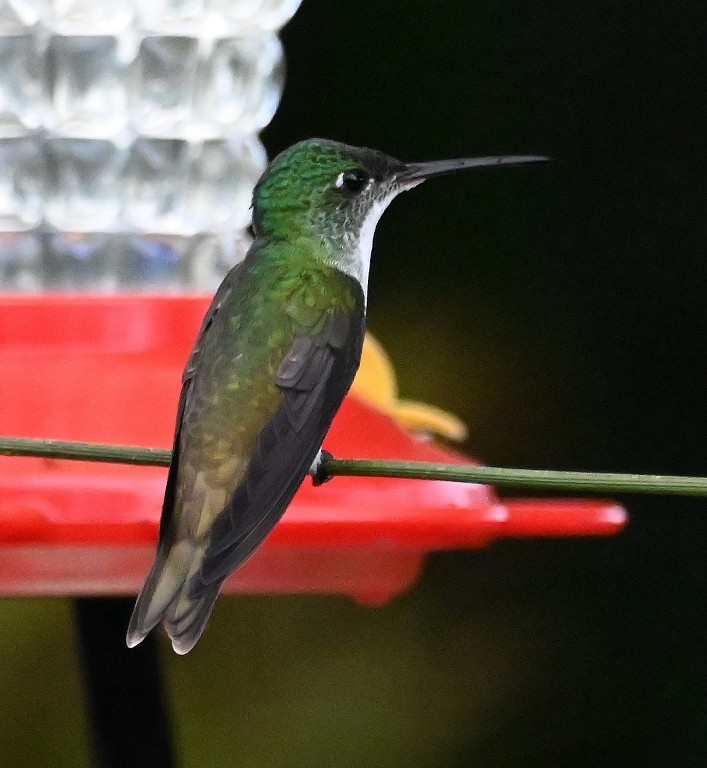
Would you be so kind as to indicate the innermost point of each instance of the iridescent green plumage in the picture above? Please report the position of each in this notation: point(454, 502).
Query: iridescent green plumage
point(239, 428)
point(283, 294)
point(291, 202)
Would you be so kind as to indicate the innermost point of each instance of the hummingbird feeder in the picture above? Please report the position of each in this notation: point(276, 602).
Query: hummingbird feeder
point(107, 368)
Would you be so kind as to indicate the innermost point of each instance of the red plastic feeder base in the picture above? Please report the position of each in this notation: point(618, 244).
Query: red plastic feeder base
point(108, 369)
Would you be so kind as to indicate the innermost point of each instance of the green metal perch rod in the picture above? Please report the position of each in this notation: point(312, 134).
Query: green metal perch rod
point(549, 480)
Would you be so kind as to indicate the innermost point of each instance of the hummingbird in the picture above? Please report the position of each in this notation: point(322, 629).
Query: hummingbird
point(277, 352)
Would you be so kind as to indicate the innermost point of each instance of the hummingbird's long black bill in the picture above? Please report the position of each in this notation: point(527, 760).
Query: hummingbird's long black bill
point(422, 171)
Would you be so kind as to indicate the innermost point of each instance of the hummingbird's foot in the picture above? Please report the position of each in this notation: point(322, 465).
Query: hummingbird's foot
point(318, 471)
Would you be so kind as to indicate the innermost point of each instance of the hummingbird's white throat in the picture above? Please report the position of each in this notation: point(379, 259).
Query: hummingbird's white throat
point(358, 265)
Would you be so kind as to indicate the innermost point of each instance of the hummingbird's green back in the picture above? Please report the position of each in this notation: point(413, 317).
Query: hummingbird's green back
point(278, 351)
point(282, 293)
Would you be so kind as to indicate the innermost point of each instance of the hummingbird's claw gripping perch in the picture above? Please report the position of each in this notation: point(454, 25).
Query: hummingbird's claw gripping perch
point(318, 471)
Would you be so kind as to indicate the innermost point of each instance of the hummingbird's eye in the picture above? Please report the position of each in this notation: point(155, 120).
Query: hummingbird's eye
point(352, 182)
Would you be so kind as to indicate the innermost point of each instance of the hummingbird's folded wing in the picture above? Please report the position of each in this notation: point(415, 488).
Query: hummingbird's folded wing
point(170, 490)
point(314, 377)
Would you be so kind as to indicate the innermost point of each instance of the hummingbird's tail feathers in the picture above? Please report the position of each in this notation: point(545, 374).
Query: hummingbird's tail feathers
point(165, 586)
point(186, 618)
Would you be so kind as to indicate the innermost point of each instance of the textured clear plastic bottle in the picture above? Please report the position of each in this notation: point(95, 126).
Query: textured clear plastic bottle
point(128, 138)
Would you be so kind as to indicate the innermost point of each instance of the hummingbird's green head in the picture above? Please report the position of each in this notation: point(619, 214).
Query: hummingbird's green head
point(330, 196)
point(322, 189)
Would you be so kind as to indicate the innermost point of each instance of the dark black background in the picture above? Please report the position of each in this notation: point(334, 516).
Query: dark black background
point(561, 312)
